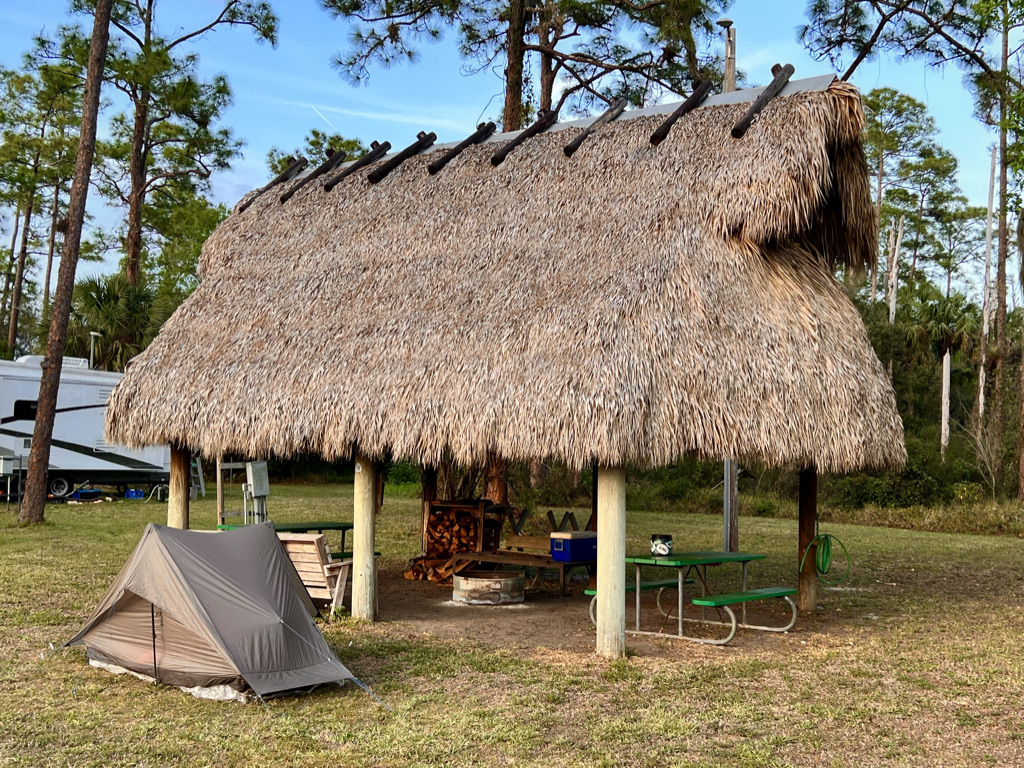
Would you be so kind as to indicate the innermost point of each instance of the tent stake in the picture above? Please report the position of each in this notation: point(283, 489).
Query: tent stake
point(695, 99)
point(773, 89)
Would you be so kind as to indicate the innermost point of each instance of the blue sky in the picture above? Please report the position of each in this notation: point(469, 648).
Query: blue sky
point(280, 94)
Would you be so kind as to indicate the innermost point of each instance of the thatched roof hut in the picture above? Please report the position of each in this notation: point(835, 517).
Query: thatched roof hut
point(629, 304)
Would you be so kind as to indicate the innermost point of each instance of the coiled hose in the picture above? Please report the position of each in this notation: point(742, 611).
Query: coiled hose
point(823, 557)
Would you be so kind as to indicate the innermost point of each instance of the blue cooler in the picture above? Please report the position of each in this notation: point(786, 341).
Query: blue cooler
point(573, 546)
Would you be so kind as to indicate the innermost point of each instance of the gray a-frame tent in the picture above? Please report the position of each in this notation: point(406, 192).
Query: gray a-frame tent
point(194, 608)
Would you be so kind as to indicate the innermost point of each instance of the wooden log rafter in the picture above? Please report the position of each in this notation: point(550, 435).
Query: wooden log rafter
point(423, 140)
point(773, 89)
point(483, 131)
point(609, 115)
point(332, 162)
point(695, 99)
point(545, 119)
point(295, 167)
point(377, 151)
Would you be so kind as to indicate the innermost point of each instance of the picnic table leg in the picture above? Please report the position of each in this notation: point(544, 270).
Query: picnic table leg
point(704, 591)
point(679, 596)
point(744, 589)
point(637, 565)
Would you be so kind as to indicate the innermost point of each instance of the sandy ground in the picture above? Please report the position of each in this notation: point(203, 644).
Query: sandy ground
point(545, 619)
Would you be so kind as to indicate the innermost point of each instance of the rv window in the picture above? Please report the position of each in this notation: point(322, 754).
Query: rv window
point(25, 410)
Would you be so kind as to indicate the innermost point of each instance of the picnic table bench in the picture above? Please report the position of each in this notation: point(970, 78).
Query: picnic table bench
point(725, 601)
point(659, 584)
point(697, 562)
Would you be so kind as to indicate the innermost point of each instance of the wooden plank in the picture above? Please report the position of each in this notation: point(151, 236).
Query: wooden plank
point(532, 542)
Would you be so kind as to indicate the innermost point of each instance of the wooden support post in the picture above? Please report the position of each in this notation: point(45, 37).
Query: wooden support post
point(807, 596)
point(731, 506)
point(181, 479)
point(428, 480)
point(592, 522)
point(220, 491)
point(611, 562)
point(364, 565)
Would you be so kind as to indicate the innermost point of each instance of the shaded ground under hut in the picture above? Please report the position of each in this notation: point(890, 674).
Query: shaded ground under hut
point(630, 303)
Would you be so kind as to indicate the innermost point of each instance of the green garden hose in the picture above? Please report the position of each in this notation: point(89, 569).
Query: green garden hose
point(823, 556)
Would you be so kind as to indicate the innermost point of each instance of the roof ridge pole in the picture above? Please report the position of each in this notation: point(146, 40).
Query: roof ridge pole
point(483, 131)
point(545, 119)
point(423, 140)
point(773, 89)
point(332, 162)
point(375, 154)
point(611, 562)
point(364, 564)
point(697, 97)
point(609, 114)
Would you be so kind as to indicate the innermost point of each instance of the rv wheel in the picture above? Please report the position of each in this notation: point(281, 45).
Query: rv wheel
point(59, 486)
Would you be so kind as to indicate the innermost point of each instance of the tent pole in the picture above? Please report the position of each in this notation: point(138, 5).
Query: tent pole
point(364, 565)
point(611, 562)
point(152, 620)
point(177, 503)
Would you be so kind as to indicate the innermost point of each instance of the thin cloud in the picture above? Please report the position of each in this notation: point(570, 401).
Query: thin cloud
point(403, 118)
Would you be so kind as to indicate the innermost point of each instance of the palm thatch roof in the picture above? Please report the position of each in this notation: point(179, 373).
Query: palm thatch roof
point(630, 304)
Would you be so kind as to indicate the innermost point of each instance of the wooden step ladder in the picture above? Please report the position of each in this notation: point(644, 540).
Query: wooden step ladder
point(197, 484)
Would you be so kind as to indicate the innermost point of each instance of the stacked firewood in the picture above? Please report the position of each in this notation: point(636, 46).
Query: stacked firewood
point(448, 532)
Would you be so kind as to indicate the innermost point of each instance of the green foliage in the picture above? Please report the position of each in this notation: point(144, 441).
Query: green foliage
point(598, 51)
point(180, 223)
point(127, 316)
point(317, 147)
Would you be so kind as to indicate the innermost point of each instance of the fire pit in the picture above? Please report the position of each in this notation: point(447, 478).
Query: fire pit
point(488, 587)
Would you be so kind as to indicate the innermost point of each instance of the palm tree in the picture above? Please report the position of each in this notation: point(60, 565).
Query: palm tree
point(945, 326)
point(128, 317)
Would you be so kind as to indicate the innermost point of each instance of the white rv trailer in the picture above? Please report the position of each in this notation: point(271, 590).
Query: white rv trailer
point(78, 453)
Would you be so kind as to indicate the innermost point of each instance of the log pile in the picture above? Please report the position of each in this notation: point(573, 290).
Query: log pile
point(448, 531)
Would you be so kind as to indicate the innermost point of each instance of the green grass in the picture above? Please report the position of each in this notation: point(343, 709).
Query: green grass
point(915, 661)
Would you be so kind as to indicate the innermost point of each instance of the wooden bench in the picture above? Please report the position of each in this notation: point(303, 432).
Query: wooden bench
point(324, 579)
point(528, 551)
point(724, 601)
point(661, 585)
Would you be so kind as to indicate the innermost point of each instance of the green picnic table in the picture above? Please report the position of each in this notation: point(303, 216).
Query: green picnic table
point(698, 562)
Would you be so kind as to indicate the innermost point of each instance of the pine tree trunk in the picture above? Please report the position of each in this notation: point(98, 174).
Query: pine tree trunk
point(50, 245)
point(9, 272)
point(137, 193)
point(513, 117)
point(19, 271)
point(39, 457)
